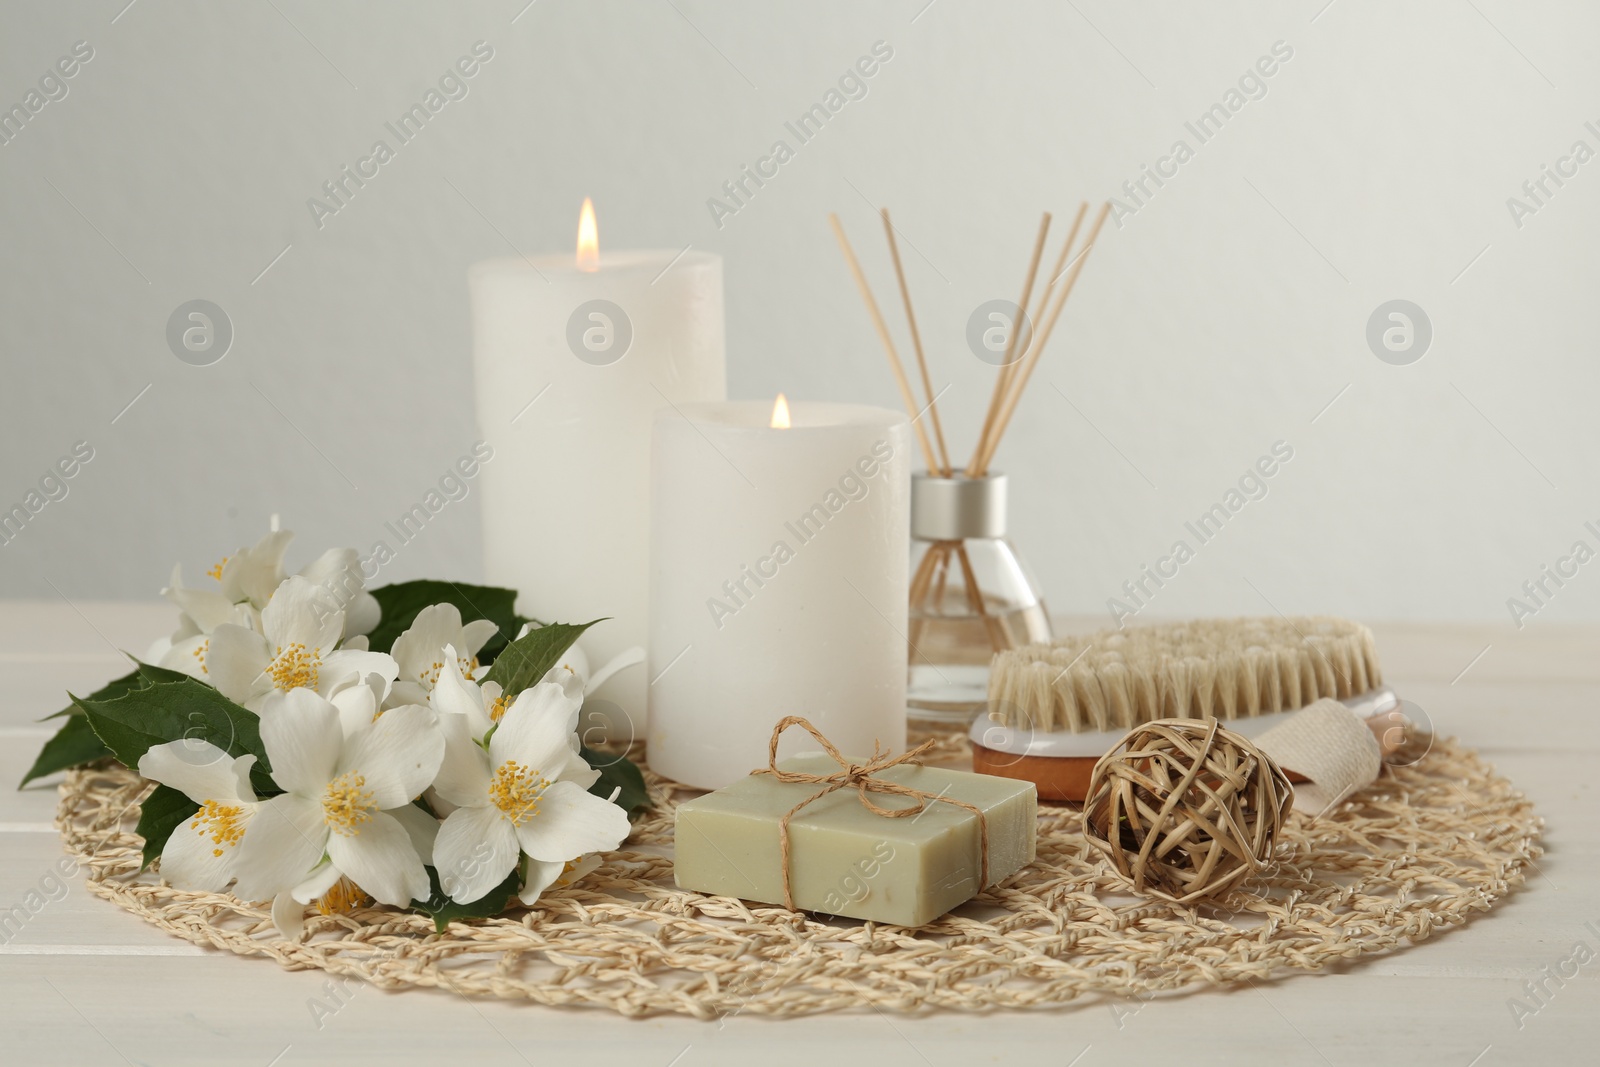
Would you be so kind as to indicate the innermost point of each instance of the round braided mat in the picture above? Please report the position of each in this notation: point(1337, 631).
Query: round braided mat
point(1420, 850)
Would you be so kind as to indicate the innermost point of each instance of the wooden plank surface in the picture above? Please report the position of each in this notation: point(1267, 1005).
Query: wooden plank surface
point(86, 983)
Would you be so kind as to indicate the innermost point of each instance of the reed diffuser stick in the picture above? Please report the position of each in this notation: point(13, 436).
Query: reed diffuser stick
point(916, 345)
point(933, 571)
point(888, 343)
point(931, 561)
point(1032, 359)
point(1003, 378)
point(989, 439)
point(941, 573)
point(999, 636)
point(1062, 262)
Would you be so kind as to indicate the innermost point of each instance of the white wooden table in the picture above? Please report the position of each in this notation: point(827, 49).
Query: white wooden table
point(85, 983)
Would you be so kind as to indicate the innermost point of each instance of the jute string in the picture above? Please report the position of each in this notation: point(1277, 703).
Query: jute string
point(1423, 849)
point(863, 777)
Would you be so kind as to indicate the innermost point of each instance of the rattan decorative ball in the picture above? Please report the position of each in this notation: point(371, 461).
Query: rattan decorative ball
point(1184, 808)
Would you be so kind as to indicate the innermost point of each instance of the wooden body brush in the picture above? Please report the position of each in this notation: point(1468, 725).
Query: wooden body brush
point(1056, 708)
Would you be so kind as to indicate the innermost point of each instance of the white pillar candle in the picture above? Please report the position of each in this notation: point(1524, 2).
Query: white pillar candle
point(778, 583)
point(571, 363)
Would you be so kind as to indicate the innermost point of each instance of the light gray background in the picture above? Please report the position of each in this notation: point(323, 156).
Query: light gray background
point(1227, 314)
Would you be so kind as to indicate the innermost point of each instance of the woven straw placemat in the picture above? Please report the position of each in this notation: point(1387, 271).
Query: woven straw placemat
point(1423, 849)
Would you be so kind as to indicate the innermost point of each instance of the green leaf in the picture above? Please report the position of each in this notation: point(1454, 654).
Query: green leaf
point(617, 772)
point(162, 812)
point(170, 711)
point(403, 600)
point(497, 644)
point(74, 744)
point(142, 675)
point(446, 911)
point(528, 659)
point(110, 691)
point(153, 674)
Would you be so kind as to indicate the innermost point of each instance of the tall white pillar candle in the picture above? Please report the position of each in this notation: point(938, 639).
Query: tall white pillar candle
point(778, 583)
point(571, 365)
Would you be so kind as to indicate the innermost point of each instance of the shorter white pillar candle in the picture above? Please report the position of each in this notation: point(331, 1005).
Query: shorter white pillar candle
point(778, 563)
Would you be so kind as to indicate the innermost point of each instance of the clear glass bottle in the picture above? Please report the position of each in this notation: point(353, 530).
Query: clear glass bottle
point(971, 596)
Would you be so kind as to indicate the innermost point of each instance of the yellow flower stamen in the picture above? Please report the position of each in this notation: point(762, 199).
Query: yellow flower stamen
point(343, 897)
point(429, 675)
point(223, 823)
point(216, 572)
point(346, 804)
point(497, 709)
point(295, 666)
point(200, 655)
point(516, 791)
point(567, 868)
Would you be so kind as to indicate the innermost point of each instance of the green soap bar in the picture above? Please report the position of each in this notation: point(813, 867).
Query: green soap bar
point(844, 860)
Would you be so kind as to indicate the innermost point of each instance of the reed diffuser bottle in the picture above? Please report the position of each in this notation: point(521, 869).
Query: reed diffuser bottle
point(971, 595)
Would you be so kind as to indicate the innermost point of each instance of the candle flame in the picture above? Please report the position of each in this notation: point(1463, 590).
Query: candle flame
point(780, 413)
point(588, 238)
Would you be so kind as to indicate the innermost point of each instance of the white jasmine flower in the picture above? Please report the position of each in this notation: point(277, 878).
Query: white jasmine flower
point(467, 712)
point(346, 810)
point(421, 650)
point(186, 649)
point(332, 893)
point(338, 570)
point(528, 793)
point(454, 694)
point(297, 648)
point(359, 699)
point(245, 582)
point(248, 577)
point(289, 914)
point(202, 851)
point(573, 673)
point(542, 876)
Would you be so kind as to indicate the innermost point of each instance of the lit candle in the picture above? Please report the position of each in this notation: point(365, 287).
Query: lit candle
point(778, 582)
point(573, 355)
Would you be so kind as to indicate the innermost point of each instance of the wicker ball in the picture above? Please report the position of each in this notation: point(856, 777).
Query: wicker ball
point(1184, 808)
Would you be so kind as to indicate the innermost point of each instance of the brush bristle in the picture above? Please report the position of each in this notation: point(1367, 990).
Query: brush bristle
point(1218, 668)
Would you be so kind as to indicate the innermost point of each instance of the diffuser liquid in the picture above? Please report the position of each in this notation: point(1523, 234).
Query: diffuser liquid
point(948, 672)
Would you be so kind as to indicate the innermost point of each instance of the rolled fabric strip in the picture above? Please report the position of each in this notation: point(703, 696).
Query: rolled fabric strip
point(1328, 744)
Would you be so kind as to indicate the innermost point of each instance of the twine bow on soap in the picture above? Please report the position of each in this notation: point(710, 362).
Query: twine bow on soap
point(863, 777)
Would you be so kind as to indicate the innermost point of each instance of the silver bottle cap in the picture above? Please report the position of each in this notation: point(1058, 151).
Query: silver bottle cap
point(956, 508)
